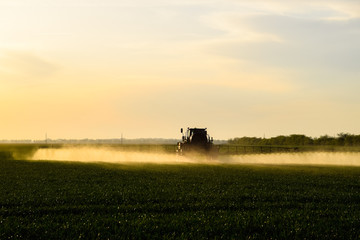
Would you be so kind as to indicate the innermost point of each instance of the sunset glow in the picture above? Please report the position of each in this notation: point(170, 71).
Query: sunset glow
point(99, 69)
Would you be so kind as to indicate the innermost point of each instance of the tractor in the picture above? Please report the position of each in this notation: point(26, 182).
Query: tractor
point(196, 141)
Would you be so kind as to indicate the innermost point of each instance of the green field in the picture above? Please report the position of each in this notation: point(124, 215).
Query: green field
point(56, 200)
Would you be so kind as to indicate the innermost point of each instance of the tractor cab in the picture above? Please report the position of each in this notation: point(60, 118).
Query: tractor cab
point(196, 136)
point(195, 140)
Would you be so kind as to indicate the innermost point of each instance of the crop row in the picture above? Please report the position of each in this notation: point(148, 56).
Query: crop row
point(47, 200)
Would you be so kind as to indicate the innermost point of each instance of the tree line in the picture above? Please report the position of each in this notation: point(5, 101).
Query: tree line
point(342, 139)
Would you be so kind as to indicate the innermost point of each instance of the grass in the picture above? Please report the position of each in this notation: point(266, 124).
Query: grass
point(56, 200)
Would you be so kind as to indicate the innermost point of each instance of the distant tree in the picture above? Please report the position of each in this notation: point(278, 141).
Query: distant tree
point(347, 139)
point(246, 141)
point(279, 140)
point(356, 140)
point(342, 139)
point(325, 140)
point(299, 140)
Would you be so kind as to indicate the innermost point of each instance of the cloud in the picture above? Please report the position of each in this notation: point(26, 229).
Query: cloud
point(318, 9)
point(25, 67)
point(291, 42)
point(258, 82)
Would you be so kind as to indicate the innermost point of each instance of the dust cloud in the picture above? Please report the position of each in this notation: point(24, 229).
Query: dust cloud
point(310, 158)
point(103, 154)
point(108, 155)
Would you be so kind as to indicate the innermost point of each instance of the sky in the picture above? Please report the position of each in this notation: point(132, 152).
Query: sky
point(146, 68)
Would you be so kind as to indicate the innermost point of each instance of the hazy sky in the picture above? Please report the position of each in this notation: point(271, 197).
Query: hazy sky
point(146, 68)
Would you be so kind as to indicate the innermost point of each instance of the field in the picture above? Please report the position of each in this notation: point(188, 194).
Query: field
point(68, 200)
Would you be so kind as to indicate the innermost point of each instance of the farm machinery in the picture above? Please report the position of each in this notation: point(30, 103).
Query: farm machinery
point(196, 141)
